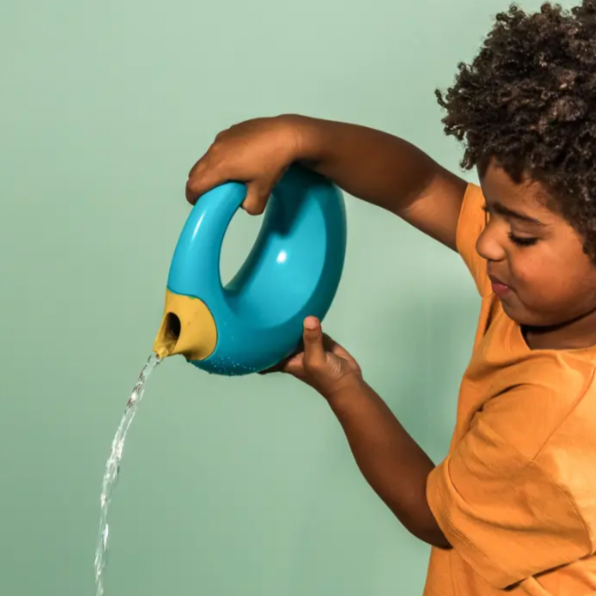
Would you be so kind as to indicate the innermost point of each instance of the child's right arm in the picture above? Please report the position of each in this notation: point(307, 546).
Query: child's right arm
point(374, 166)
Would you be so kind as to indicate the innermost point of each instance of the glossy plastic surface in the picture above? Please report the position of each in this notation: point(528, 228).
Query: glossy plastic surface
point(293, 270)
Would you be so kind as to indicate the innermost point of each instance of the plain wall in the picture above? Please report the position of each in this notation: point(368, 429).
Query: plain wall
point(231, 487)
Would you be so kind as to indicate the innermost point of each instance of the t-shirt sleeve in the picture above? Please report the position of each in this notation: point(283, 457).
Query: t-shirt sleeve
point(471, 223)
point(507, 515)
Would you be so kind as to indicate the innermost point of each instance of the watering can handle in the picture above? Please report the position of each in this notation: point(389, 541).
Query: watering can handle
point(195, 266)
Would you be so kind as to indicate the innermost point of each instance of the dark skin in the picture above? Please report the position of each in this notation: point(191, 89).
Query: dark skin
point(551, 289)
point(552, 282)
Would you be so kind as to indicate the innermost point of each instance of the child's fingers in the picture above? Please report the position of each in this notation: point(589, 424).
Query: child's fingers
point(291, 364)
point(314, 351)
point(295, 365)
point(201, 180)
point(257, 195)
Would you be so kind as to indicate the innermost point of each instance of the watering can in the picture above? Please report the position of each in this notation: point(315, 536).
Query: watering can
point(292, 271)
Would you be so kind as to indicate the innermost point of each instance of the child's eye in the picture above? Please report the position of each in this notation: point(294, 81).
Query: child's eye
point(522, 241)
point(517, 240)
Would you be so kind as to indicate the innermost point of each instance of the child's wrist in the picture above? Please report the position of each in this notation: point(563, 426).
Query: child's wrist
point(307, 136)
point(350, 390)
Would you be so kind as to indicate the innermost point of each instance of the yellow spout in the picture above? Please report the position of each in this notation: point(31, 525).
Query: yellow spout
point(187, 328)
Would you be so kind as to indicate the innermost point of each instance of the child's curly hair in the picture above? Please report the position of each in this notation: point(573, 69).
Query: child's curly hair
point(528, 100)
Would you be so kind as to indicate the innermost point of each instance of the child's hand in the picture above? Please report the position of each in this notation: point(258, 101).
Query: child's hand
point(256, 152)
point(323, 364)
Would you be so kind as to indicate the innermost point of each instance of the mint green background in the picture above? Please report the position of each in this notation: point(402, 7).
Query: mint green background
point(229, 487)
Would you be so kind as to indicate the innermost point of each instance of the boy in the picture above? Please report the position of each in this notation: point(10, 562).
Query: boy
point(512, 508)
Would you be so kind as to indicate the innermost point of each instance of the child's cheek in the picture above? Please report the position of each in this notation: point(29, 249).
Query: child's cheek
point(531, 273)
point(523, 271)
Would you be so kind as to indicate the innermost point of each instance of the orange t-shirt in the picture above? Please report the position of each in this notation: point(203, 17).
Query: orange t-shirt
point(516, 496)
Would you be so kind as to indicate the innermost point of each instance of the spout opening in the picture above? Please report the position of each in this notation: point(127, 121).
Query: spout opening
point(169, 335)
point(172, 328)
point(187, 328)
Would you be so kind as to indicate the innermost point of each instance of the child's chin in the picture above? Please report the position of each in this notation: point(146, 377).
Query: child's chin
point(519, 315)
point(524, 318)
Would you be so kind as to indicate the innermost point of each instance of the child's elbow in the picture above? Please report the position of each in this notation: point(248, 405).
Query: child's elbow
point(439, 540)
point(432, 534)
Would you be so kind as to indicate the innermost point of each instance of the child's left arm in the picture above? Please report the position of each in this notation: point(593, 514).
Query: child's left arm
point(391, 461)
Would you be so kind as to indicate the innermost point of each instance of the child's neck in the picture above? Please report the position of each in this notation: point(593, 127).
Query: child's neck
point(574, 335)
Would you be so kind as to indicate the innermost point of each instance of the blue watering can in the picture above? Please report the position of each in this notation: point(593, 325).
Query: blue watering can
point(292, 271)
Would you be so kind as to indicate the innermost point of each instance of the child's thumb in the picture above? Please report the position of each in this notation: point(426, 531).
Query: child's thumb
point(256, 198)
point(314, 352)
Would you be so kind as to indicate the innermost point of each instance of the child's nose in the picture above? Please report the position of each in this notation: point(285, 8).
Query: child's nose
point(489, 245)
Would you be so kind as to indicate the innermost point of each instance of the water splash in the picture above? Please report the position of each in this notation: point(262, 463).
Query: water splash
point(112, 471)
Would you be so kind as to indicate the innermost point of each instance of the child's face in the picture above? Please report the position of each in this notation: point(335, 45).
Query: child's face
point(535, 258)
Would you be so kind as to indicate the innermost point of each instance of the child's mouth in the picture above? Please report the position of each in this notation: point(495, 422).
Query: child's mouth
point(499, 288)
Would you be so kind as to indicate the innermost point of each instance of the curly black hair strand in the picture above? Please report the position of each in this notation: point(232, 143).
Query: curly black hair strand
point(528, 100)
